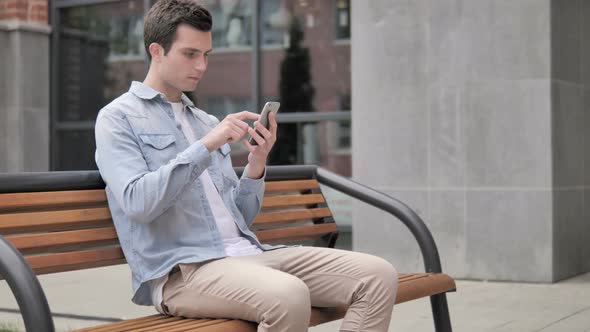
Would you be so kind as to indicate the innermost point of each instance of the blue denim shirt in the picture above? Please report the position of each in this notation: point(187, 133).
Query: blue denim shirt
point(156, 198)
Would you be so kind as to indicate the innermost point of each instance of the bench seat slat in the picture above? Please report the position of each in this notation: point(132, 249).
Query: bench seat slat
point(56, 199)
point(157, 323)
point(189, 327)
point(292, 185)
point(411, 286)
point(269, 218)
point(296, 233)
point(141, 325)
point(422, 285)
point(228, 326)
point(414, 276)
point(182, 328)
point(186, 323)
point(129, 322)
point(291, 200)
point(53, 220)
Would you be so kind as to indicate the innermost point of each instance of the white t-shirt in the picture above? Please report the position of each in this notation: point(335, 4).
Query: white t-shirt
point(234, 243)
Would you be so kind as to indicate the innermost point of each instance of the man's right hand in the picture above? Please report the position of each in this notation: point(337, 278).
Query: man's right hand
point(231, 129)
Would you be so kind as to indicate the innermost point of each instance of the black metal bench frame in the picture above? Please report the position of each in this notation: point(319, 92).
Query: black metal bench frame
point(32, 300)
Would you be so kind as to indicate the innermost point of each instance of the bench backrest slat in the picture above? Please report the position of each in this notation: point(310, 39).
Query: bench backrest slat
point(295, 185)
point(296, 233)
point(267, 218)
point(70, 230)
point(76, 260)
point(57, 199)
point(24, 222)
point(292, 200)
point(56, 241)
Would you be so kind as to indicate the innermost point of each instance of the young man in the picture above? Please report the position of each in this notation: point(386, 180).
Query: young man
point(182, 215)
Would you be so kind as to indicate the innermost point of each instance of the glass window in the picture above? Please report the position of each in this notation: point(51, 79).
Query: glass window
point(120, 24)
point(227, 85)
point(101, 51)
point(310, 73)
point(275, 19)
point(342, 19)
point(344, 129)
point(126, 35)
point(232, 23)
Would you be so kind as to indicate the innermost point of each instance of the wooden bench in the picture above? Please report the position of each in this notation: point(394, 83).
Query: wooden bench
point(60, 221)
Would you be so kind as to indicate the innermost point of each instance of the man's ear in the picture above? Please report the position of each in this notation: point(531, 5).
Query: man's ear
point(156, 51)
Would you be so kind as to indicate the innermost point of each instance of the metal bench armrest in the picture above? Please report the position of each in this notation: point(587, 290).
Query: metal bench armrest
point(389, 204)
point(26, 289)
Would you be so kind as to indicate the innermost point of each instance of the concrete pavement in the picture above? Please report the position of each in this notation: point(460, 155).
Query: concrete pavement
point(86, 298)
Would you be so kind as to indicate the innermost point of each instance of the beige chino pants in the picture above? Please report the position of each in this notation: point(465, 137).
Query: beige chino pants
point(277, 289)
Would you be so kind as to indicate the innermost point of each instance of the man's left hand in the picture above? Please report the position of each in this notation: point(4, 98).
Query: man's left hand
point(265, 138)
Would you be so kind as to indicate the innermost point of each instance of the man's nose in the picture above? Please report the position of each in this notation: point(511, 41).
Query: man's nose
point(201, 64)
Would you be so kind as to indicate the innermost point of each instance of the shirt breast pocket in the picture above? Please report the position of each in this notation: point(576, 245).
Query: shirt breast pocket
point(158, 149)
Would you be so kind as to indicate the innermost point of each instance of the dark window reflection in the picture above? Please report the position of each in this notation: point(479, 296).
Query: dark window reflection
point(100, 52)
point(82, 68)
point(74, 150)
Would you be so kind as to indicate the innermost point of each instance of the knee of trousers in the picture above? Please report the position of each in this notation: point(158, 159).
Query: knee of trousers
point(291, 301)
point(383, 273)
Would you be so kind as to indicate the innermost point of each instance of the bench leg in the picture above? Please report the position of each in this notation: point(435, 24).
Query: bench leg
point(328, 240)
point(440, 313)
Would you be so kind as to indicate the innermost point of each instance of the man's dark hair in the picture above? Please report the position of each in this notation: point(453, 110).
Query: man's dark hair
point(165, 16)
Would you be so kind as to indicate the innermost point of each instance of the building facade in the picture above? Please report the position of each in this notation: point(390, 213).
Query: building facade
point(472, 112)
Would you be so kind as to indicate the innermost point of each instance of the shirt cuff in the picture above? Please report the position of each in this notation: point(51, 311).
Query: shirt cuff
point(250, 185)
point(198, 156)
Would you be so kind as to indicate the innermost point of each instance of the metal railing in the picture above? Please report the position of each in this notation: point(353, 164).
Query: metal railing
point(302, 119)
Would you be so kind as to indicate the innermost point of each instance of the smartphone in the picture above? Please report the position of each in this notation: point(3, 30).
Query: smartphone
point(271, 106)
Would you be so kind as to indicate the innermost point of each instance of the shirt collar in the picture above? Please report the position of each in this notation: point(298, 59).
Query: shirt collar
point(144, 91)
point(186, 100)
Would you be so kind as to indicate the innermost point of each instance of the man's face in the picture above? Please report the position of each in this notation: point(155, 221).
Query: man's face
point(186, 62)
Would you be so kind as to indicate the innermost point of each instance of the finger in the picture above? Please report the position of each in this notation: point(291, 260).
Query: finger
point(239, 126)
point(248, 146)
point(242, 132)
point(267, 134)
point(273, 130)
point(256, 136)
point(235, 135)
point(273, 123)
point(238, 122)
point(247, 115)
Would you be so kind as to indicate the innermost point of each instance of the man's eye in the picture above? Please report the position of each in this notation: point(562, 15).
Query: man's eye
point(190, 54)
